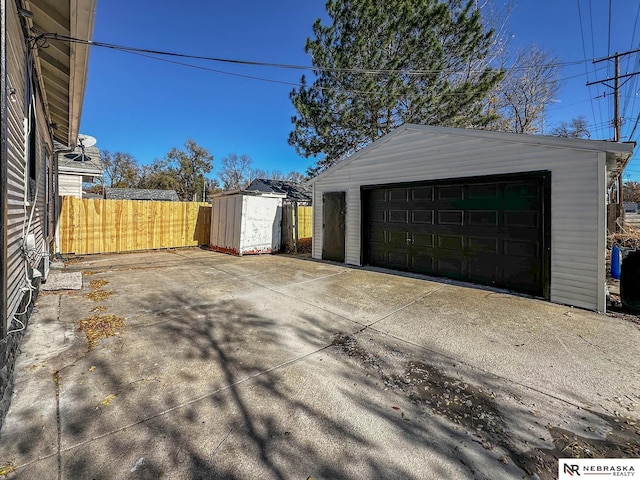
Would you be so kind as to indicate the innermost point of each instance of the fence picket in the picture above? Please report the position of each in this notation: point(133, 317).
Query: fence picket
point(106, 226)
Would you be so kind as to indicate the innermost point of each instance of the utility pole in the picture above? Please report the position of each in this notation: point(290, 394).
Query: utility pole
point(617, 121)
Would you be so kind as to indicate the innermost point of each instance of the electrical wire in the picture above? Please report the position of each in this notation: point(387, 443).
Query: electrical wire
point(66, 38)
point(609, 34)
point(593, 51)
point(584, 53)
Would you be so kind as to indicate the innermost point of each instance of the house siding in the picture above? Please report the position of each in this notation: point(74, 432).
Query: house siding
point(26, 212)
point(70, 185)
point(16, 162)
point(415, 155)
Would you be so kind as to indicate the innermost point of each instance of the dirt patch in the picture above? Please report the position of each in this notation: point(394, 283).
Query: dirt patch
point(476, 409)
point(98, 295)
point(460, 402)
point(95, 284)
point(622, 441)
point(98, 327)
point(304, 246)
point(89, 273)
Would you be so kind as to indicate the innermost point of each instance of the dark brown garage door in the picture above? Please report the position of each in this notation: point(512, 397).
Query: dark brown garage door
point(492, 231)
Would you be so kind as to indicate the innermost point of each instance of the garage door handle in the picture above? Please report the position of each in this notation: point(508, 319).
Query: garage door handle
point(409, 240)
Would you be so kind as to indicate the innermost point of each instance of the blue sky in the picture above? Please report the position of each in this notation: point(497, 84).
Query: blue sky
point(146, 107)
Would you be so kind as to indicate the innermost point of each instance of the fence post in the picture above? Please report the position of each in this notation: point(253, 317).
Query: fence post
point(295, 227)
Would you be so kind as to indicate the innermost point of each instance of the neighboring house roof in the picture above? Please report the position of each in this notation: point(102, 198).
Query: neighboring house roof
point(617, 154)
point(95, 196)
point(87, 164)
point(140, 194)
point(293, 191)
point(62, 70)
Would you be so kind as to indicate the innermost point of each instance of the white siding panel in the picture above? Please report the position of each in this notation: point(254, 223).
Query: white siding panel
point(421, 155)
point(70, 185)
point(317, 238)
point(353, 214)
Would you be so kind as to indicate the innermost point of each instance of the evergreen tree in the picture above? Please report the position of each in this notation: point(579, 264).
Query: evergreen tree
point(381, 63)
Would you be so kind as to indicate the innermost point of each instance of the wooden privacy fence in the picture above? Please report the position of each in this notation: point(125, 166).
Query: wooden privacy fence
point(303, 223)
point(103, 226)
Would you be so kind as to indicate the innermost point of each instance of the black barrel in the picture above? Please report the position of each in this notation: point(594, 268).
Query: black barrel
point(630, 281)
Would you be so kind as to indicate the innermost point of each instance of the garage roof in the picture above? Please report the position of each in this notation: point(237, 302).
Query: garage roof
point(61, 65)
point(618, 153)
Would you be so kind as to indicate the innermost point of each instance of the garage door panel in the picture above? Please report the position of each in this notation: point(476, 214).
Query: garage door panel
point(450, 193)
point(450, 217)
point(422, 216)
point(521, 248)
point(523, 218)
point(398, 216)
point(483, 270)
point(477, 192)
point(424, 194)
point(396, 237)
point(399, 260)
point(378, 216)
point(483, 245)
point(482, 218)
point(451, 242)
point(398, 195)
point(489, 232)
point(520, 273)
point(452, 267)
point(424, 264)
point(422, 240)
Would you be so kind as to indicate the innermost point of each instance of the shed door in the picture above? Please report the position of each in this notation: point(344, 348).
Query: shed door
point(333, 221)
point(483, 231)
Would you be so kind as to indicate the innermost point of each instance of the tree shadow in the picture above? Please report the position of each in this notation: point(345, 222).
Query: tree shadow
point(238, 388)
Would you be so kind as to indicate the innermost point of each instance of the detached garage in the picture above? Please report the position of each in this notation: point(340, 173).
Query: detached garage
point(520, 212)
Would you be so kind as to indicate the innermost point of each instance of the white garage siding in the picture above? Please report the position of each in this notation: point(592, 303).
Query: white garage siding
point(417, 153)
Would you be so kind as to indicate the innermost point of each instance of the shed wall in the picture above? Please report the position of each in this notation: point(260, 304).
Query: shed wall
point(261, 230)
point(226, 218)
point(576, 196)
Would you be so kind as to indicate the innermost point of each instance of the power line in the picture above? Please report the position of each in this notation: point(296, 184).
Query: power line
point(593, 51)
point(609, 34)
point(584, 54)
point(65, 38)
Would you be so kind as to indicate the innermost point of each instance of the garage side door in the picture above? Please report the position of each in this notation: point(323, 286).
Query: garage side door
point(483, 231)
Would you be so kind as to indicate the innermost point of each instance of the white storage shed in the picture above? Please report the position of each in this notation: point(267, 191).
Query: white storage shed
point(245, 223)
point(521, 212)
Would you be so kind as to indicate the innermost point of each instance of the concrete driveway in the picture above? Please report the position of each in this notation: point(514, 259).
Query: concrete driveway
point(283, 367)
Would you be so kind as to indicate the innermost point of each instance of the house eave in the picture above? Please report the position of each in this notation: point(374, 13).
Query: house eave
point(62, 66)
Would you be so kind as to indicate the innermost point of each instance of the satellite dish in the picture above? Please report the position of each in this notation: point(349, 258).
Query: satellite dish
point(86, 140)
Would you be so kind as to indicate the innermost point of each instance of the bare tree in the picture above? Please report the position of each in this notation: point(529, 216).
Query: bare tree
point(520, 100)
point(631, 191)
point(576, 128)
point(121, 169)
point(235, 172)
point(295, 177)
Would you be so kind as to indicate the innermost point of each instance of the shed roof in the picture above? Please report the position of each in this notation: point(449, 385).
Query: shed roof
point(112, 193)
point(618, 153)
point(294, 191)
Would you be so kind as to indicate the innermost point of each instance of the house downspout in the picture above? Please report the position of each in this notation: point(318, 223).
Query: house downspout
point(4, 325)
point(56, 194)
